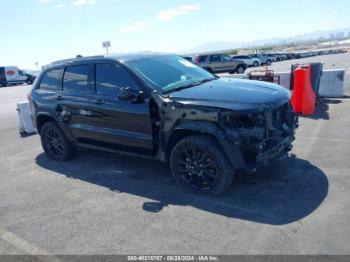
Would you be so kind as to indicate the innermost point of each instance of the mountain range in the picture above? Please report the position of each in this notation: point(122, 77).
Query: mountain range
point(222, 45)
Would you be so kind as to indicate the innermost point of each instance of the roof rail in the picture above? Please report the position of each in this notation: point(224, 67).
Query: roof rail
point(78, 58)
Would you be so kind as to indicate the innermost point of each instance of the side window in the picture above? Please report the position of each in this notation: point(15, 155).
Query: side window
point(214, 58)
point(52, 80)
point(203, 58)
point(225, 58)
point(110, 78)
point(76, 78)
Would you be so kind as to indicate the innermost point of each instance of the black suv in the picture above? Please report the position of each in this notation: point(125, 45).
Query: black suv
point(164, 107)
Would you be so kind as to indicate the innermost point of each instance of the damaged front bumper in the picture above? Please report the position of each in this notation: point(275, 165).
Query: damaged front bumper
point(283, 147)
point(261, 138)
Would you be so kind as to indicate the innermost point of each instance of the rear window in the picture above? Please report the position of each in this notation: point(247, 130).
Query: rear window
point(52, 80)
point(76, 78)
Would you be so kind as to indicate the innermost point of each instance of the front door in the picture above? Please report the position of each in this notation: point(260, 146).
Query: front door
point(120, 124)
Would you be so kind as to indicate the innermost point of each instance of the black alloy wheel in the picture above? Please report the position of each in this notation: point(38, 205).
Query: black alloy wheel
point(198, 164)
point(54, 143)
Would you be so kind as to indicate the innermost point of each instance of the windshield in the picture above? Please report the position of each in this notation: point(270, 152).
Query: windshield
point(170, 72)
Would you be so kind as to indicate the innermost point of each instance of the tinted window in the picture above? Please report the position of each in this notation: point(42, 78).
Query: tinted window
point(52, 80)
point(214, 58)
point(225, 58)
point(76, 78)
point(203, 58)
point(110, 78)
point(168, 71)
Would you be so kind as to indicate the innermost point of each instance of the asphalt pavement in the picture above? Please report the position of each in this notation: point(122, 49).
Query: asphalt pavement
point(102, 203)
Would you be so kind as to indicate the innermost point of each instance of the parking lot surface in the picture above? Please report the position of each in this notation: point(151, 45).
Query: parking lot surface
point(102, 203)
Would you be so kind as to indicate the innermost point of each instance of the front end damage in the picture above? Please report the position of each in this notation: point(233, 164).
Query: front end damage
point(261, 136)
point(249, 139)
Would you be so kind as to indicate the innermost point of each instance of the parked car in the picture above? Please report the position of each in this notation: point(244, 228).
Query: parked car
point(272, 57)
point(164, 107)
point(278, 57)
point(284, 57)
point(11, 75)
point(30, 78)
point(220, 63)
point(250, 61)
point(264, 59)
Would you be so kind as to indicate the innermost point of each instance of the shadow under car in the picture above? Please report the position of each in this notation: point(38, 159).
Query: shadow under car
point(284, 192)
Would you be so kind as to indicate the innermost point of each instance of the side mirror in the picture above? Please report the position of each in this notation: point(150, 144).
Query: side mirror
point(129, 94)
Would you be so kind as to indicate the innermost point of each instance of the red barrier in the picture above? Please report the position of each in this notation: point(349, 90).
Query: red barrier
point(303, 97)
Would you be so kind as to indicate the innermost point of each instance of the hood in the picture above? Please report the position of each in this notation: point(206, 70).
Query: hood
point(234, 94)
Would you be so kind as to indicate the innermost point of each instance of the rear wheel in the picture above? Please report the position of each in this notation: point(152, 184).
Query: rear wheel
point(240, 69)
point(54, 143)
point(256, 64)
point(268, 62)
point(198, 164)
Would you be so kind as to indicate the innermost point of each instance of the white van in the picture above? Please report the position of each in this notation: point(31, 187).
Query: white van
point(11, 75)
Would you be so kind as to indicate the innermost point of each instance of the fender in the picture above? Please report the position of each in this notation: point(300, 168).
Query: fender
point(59, 123)
point(232, 151)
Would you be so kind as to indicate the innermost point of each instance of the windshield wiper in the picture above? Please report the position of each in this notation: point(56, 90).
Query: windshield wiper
point(197, 83)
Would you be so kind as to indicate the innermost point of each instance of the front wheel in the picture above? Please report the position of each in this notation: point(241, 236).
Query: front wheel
point(54, 143)
point(268, 62)
point(29, 82)
point(256, 64)
point(198, 164)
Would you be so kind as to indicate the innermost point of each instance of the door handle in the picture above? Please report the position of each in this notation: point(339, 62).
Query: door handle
point(59, 97)
point(98, 101)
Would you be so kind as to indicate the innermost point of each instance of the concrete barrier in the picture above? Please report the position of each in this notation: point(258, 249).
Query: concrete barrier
point(331, 85)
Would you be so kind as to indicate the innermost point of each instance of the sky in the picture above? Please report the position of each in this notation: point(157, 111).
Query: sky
point(47, 30)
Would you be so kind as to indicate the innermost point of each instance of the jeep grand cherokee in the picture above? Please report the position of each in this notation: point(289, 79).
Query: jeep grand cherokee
point(164, 107)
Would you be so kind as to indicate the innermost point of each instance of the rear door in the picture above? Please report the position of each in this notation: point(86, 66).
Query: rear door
point(227, 62)
point(121, 124)
point(74, 100)
point(215, 63)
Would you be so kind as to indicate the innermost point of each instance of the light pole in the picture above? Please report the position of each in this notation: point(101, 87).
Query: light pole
point(106, 44)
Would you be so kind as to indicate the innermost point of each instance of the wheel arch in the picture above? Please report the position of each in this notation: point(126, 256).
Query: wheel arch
point(41, 119)
point(183, 130)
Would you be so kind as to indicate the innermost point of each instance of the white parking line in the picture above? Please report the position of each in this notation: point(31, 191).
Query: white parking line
point(24, 245)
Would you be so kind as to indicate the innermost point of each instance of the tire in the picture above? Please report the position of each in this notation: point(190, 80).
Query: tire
point(268, 62)
point(198, 164)
point(54, 143)
point(240, 69)
point(29, 82)
point(3, 84)
point(256, 64)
